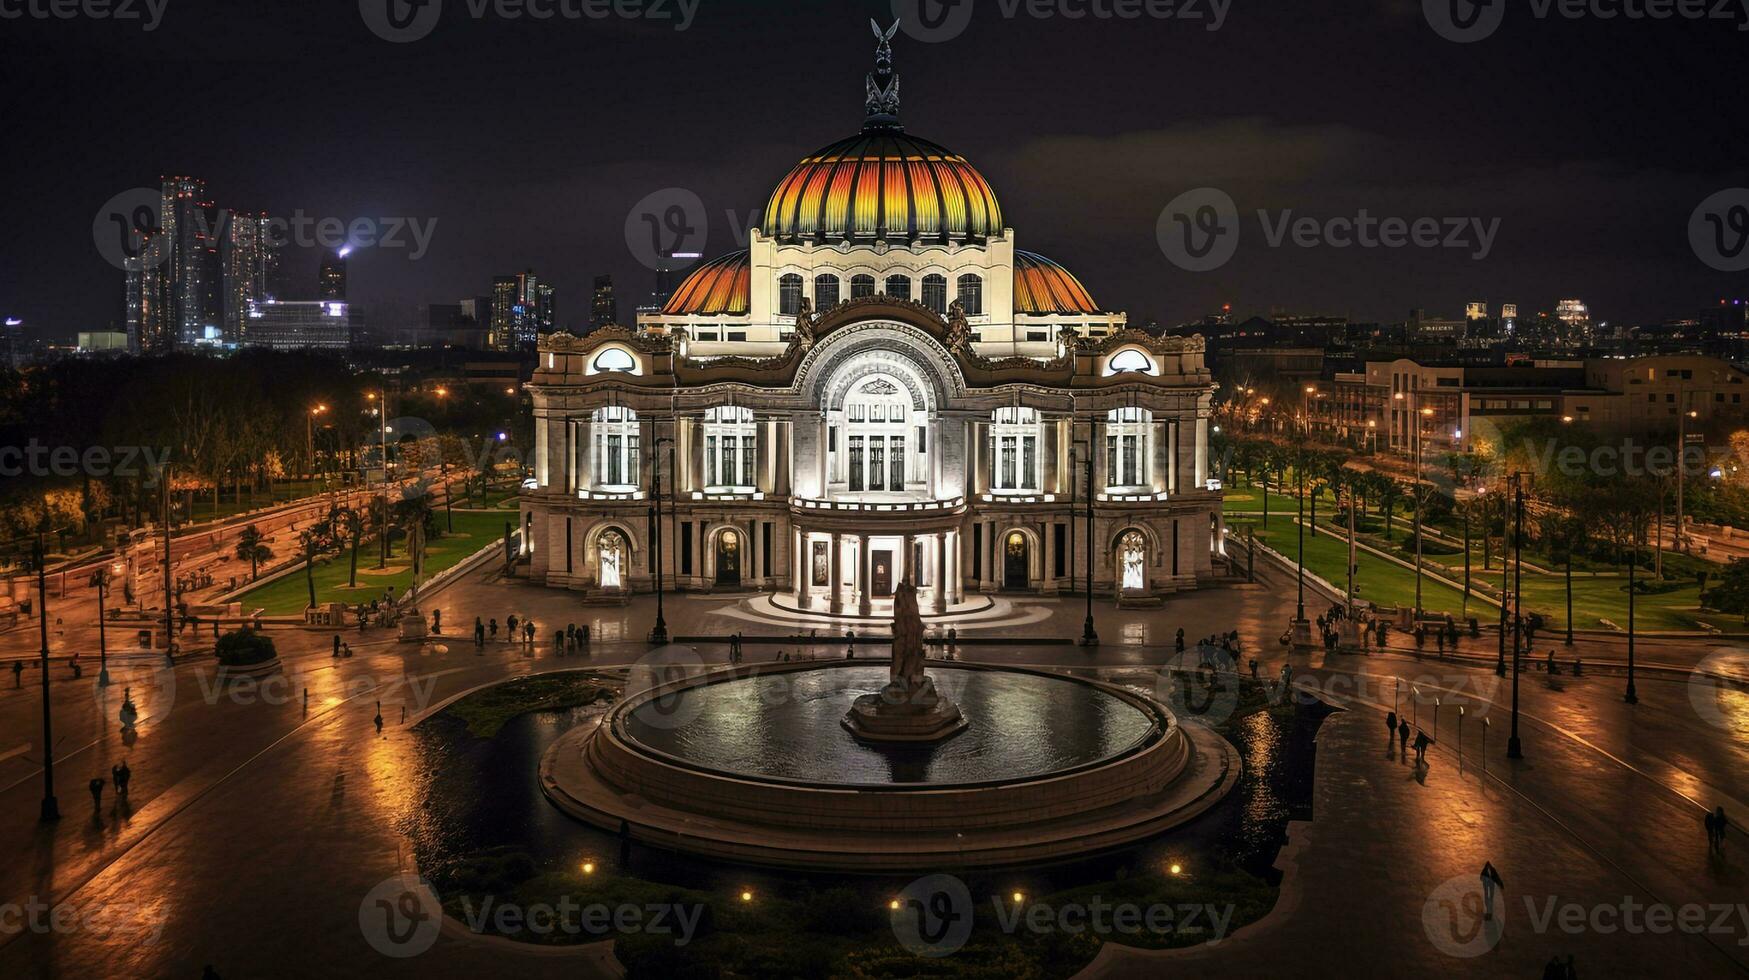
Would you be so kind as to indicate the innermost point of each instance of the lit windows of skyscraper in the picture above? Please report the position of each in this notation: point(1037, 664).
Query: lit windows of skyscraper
point(190, 226)
point(252, 257)
point(331, 277)
point(523, 308)
point(605, 309)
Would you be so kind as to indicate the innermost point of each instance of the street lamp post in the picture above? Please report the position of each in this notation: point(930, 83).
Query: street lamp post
point(1514, 748)
point(1632, 697)
point(1419, 493)
point(51, 810)
point(102, 637)
point(659, 632)
point(169, 596)
point(1089, 638)
point(1681, 464)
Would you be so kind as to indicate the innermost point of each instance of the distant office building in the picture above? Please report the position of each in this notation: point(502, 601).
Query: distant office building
point(331, 277)
point(148, 311)
point(190, 224)
point(604, 309)
point(102, 342)
point(300, 325)
point(1509, 318)
point(1422, 327)
point(252, 269)
point(523, 309)
point(1573, 313)
point(1476, 311)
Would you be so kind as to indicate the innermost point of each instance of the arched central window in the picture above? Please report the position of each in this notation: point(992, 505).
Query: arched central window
point(730, 448)
point(935, 293)
point(876, 422)
point(861, 286)
point(1014, 442)
point(825, 293)
point(1134, 551)
point(899, 287)
point(1126, 448)
point(972, 294)
point(789, 294)
point(613, 359)
point(1130, 360)
point(615, 449)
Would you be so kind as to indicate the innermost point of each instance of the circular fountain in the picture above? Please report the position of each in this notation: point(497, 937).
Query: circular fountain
point(876, 765)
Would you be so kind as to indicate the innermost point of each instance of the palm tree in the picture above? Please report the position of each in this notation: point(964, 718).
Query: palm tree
point(315, 540)
point(1387, 490)
point(350, 523)
point(252, 548)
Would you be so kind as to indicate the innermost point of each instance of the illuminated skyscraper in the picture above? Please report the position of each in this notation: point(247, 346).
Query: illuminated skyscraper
point(331, 277)
point(190, 225)
point(605, 309)
point(523, 308)
point(252, 270)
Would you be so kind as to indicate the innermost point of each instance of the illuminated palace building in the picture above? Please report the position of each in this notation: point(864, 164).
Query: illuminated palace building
point(880, 387)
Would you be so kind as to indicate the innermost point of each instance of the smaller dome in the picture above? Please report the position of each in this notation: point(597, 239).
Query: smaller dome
point(719, 287)
point(1043, 286)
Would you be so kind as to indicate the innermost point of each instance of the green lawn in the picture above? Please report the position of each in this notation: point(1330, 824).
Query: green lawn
point(290, 595)
point(1594, 598)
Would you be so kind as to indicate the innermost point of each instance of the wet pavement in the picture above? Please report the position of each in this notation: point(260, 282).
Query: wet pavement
point(258, 828)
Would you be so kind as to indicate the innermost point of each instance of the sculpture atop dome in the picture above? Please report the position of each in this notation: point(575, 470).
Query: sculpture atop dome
point(883, 83)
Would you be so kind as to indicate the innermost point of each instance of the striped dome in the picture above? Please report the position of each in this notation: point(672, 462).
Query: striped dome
point(883, 184)
point(717, 288)
point(1043, 286)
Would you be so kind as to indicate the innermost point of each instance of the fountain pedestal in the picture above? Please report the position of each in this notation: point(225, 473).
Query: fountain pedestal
point(904, 713)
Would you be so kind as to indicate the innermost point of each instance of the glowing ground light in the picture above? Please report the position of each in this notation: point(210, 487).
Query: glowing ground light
point(746, 896)
point(1018, 898)
point(588, 867)
point(1176, 869)
point(894, 905)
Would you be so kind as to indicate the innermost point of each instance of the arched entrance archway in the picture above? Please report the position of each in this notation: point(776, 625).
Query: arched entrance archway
point(1132, 559)
point(610, 553)
point(1016, 563)
point(729, 558)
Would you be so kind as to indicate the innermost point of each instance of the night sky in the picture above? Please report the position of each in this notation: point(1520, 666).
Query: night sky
point(1592, 141)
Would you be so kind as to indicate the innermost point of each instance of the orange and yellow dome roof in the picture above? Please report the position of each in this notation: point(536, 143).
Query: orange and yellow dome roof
point(1043, 286)
point(886, 185)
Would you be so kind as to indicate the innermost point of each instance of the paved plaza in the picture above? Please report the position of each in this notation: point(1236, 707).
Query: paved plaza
point(257, 826)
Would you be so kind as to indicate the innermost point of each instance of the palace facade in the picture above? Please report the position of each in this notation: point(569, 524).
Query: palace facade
point(881, 386)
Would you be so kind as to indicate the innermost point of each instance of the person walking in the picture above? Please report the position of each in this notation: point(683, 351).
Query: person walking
point(1421, 744)
point(1178, 642)
point(492, 629)
point(1390, 726)
point(1717, 826)
point(953, 642)
point(437, 622)
point(379, 718)
point(17, 673)
point(1403, 735)
point(96, 786)
point(479, 633)
point(528, 631)
point(121, 775)
point(336, 644)
point(1491, 884)
point(510, 625)
point(850, 644)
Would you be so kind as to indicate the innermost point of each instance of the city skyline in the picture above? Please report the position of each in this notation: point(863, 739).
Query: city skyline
point(1341, 143)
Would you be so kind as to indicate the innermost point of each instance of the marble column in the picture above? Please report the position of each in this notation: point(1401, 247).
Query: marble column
point(798, 570)
point(864, 576)
point(941, 580)
point(837, 576)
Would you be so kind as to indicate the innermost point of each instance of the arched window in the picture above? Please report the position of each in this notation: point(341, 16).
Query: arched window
point(1129, 360)
point(611, 554)
point(861, 286)
point(825, 292)
point(1126, 448)
point(789, 294)
point(731, 448)
point(614, 359)
point(877, 457)
point(615, 449)
point(1014, 442)
point(935, 293)
point(972, 294)
point(899, 287)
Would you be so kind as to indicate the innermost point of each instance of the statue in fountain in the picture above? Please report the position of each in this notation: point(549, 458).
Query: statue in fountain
point(908, 708)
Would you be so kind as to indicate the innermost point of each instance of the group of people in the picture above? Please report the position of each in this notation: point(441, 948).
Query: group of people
point(1401, 728)
point(382, 611)
point(1211, 649)
point(571, 639)
point(515, 631)
point(121, 775)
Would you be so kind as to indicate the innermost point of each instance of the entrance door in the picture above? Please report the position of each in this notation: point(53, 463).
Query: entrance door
point(1014, 563)
point(883, 573)
point(729, 559)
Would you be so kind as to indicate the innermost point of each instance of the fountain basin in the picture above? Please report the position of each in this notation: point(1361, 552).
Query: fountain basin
point(1048, 766)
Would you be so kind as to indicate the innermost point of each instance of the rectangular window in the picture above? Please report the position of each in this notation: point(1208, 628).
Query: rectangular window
point(1111, 476)
point(765, 548)
point(1034, 336)
point(1029, 462)
point(855, 464)
point(877, 413)
point(1129, 461)
point(897, 477)
point(632, 468)
point(728, 469)
point(877, 458)
point(922, 439)
point(832, 439)
point(748, 453)
point(978, 552)
point(686, 547)
point(710, 461)
point(1060, 552)
point(1005, 464)
point(614, 474)
point(736, 336)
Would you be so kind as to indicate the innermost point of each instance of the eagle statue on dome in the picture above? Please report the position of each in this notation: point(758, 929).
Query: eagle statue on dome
point(883, 83)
